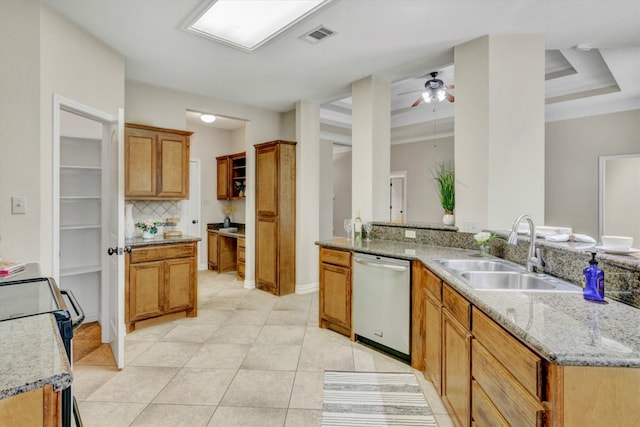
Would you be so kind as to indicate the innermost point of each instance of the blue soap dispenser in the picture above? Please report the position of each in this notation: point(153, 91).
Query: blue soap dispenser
point(594, 281)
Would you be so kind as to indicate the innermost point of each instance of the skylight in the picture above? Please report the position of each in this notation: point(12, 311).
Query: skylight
point(249, 24)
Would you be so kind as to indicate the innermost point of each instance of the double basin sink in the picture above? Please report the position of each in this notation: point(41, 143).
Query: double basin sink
point(501, 275)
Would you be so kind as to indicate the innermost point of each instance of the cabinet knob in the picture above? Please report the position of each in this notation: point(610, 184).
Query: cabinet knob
point(194, 221)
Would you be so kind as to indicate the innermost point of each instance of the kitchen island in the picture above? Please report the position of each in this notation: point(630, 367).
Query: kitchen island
point(34, 369)
point(567, 362)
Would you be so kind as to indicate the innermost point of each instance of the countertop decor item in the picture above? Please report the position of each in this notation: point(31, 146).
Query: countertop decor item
point(445, 180)
point(129, 225)
point(227, 210)
point(482, 239)
point(149, 228)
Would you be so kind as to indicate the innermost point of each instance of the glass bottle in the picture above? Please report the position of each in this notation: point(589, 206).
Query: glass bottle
point(357, 227)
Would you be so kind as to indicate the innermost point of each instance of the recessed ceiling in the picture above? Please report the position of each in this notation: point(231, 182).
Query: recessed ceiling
point(392, 39)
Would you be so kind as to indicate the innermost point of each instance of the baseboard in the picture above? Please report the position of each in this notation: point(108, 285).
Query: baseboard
point(308, 288)
point(249, 284)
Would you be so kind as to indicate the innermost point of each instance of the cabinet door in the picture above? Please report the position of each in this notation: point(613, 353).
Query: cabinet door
point(140, 163)
point(433, 339)
point(146, 287)
point(267, 181)
point(179, 274)
point(222, 184)
point(212, 250)
point(335, 297)
point(456, 369)
point(173, 181)
point(267, 254)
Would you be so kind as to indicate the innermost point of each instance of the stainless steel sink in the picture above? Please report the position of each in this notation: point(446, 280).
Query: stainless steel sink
point(479, 265)
point(515, 281)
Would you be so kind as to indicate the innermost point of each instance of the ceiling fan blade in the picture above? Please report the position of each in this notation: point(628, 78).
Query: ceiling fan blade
point(450, 87)
point(450, 98)
point(418, 101)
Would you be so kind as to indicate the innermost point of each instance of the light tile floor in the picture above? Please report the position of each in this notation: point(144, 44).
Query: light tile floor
point(248, 359)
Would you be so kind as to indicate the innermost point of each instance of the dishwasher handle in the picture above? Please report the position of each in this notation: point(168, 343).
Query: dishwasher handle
point(381, 265)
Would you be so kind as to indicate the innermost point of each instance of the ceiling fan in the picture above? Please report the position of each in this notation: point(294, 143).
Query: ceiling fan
point(435, 91)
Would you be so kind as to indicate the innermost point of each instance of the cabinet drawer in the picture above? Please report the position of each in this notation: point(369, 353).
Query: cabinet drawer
point(457, 305)
point(161, 252)
point(515, 404)
point(433, 284)
point(522, 363)
point(483, 412)
point(332, 256)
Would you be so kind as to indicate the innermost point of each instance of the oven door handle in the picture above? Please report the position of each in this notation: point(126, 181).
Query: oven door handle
point(76, 308)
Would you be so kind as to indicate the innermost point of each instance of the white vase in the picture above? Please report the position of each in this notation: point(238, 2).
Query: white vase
point(449, 219)
point(129, 226)
point(148, 235)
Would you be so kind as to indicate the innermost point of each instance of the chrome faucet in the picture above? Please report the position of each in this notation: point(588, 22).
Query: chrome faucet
point(532, 258)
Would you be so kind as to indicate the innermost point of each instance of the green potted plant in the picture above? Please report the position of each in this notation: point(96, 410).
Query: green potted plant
point(445, 181)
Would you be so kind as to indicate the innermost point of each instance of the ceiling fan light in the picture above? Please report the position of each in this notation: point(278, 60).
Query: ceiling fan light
point(441, 95)
point(208, 118)
point(427, 96)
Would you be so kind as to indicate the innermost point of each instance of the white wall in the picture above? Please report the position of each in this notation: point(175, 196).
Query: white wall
point(571, 162)
point(341, 191)
point(42, 54)
point(419, 159)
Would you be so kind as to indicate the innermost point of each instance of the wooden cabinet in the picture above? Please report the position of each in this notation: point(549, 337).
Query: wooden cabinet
point(212, 250)
point(232, 176)
point(240, 256)
point(276, 216)
point(160, 280)
point(432, 300)
point(335, 290)
point(156, 163)
point(456, 357)
point(222, 252)
point(39, 407)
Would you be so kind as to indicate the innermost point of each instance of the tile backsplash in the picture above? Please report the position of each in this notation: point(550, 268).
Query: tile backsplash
point(155, 210)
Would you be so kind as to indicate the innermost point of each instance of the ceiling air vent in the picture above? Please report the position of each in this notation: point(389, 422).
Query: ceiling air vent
point(317, 34)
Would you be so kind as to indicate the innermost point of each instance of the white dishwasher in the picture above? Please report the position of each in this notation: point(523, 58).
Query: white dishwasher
point(382, 303)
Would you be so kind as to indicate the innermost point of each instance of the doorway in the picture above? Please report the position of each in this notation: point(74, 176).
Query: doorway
point(397, 197)
point(88, 208)
point(191, 223)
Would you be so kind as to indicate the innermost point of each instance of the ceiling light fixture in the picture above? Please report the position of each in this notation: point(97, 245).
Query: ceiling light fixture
point(208, 118)
point(434, 90)
point(249, 24)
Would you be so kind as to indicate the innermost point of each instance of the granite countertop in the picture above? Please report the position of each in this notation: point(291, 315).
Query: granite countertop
point(562, 327)
point(32, 356)
point(160, 240)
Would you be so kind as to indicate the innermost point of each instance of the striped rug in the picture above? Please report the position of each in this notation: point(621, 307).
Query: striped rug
point(374, 399)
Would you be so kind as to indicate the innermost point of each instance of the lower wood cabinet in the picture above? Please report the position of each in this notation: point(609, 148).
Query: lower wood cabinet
point(241, 260)
point(39, 407)
point(212, 250)
point(456, 357)
point(223, 252)
point(160, 280)
point(432, 300)
point(335, 290)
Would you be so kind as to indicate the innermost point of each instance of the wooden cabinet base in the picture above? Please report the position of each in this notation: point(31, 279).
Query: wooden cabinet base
point(160, 280)
point(39, 407)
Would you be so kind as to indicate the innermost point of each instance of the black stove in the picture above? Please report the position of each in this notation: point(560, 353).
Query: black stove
point(24, 295)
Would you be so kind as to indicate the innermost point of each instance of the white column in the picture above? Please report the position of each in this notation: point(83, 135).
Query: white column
point(499, 129)
point(307, 195)
point(371, 136)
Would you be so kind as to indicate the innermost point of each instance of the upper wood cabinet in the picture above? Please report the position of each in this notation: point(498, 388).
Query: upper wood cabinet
point(276, 216)
point(232, 176)
point(156, 163)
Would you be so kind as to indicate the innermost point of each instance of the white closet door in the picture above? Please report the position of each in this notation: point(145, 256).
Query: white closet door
point(117, 330)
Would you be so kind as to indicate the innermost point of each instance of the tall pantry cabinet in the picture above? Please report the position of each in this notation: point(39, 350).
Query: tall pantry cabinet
point(276, 217)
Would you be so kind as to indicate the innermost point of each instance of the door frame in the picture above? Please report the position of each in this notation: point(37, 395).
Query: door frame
point(107, 120)
point(403, 175)
point(194, 203)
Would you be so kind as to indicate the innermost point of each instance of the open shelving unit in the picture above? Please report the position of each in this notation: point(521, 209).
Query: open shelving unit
point(80, 224)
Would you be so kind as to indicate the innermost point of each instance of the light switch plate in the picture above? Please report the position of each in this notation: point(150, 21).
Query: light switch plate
point(411, 234)
point(18, 205)
point(472, 226)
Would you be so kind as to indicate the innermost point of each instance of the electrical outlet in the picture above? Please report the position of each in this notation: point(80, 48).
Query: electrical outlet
point(472, 226)
point(411, 234)
point(18, 205)
point(410, 251)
